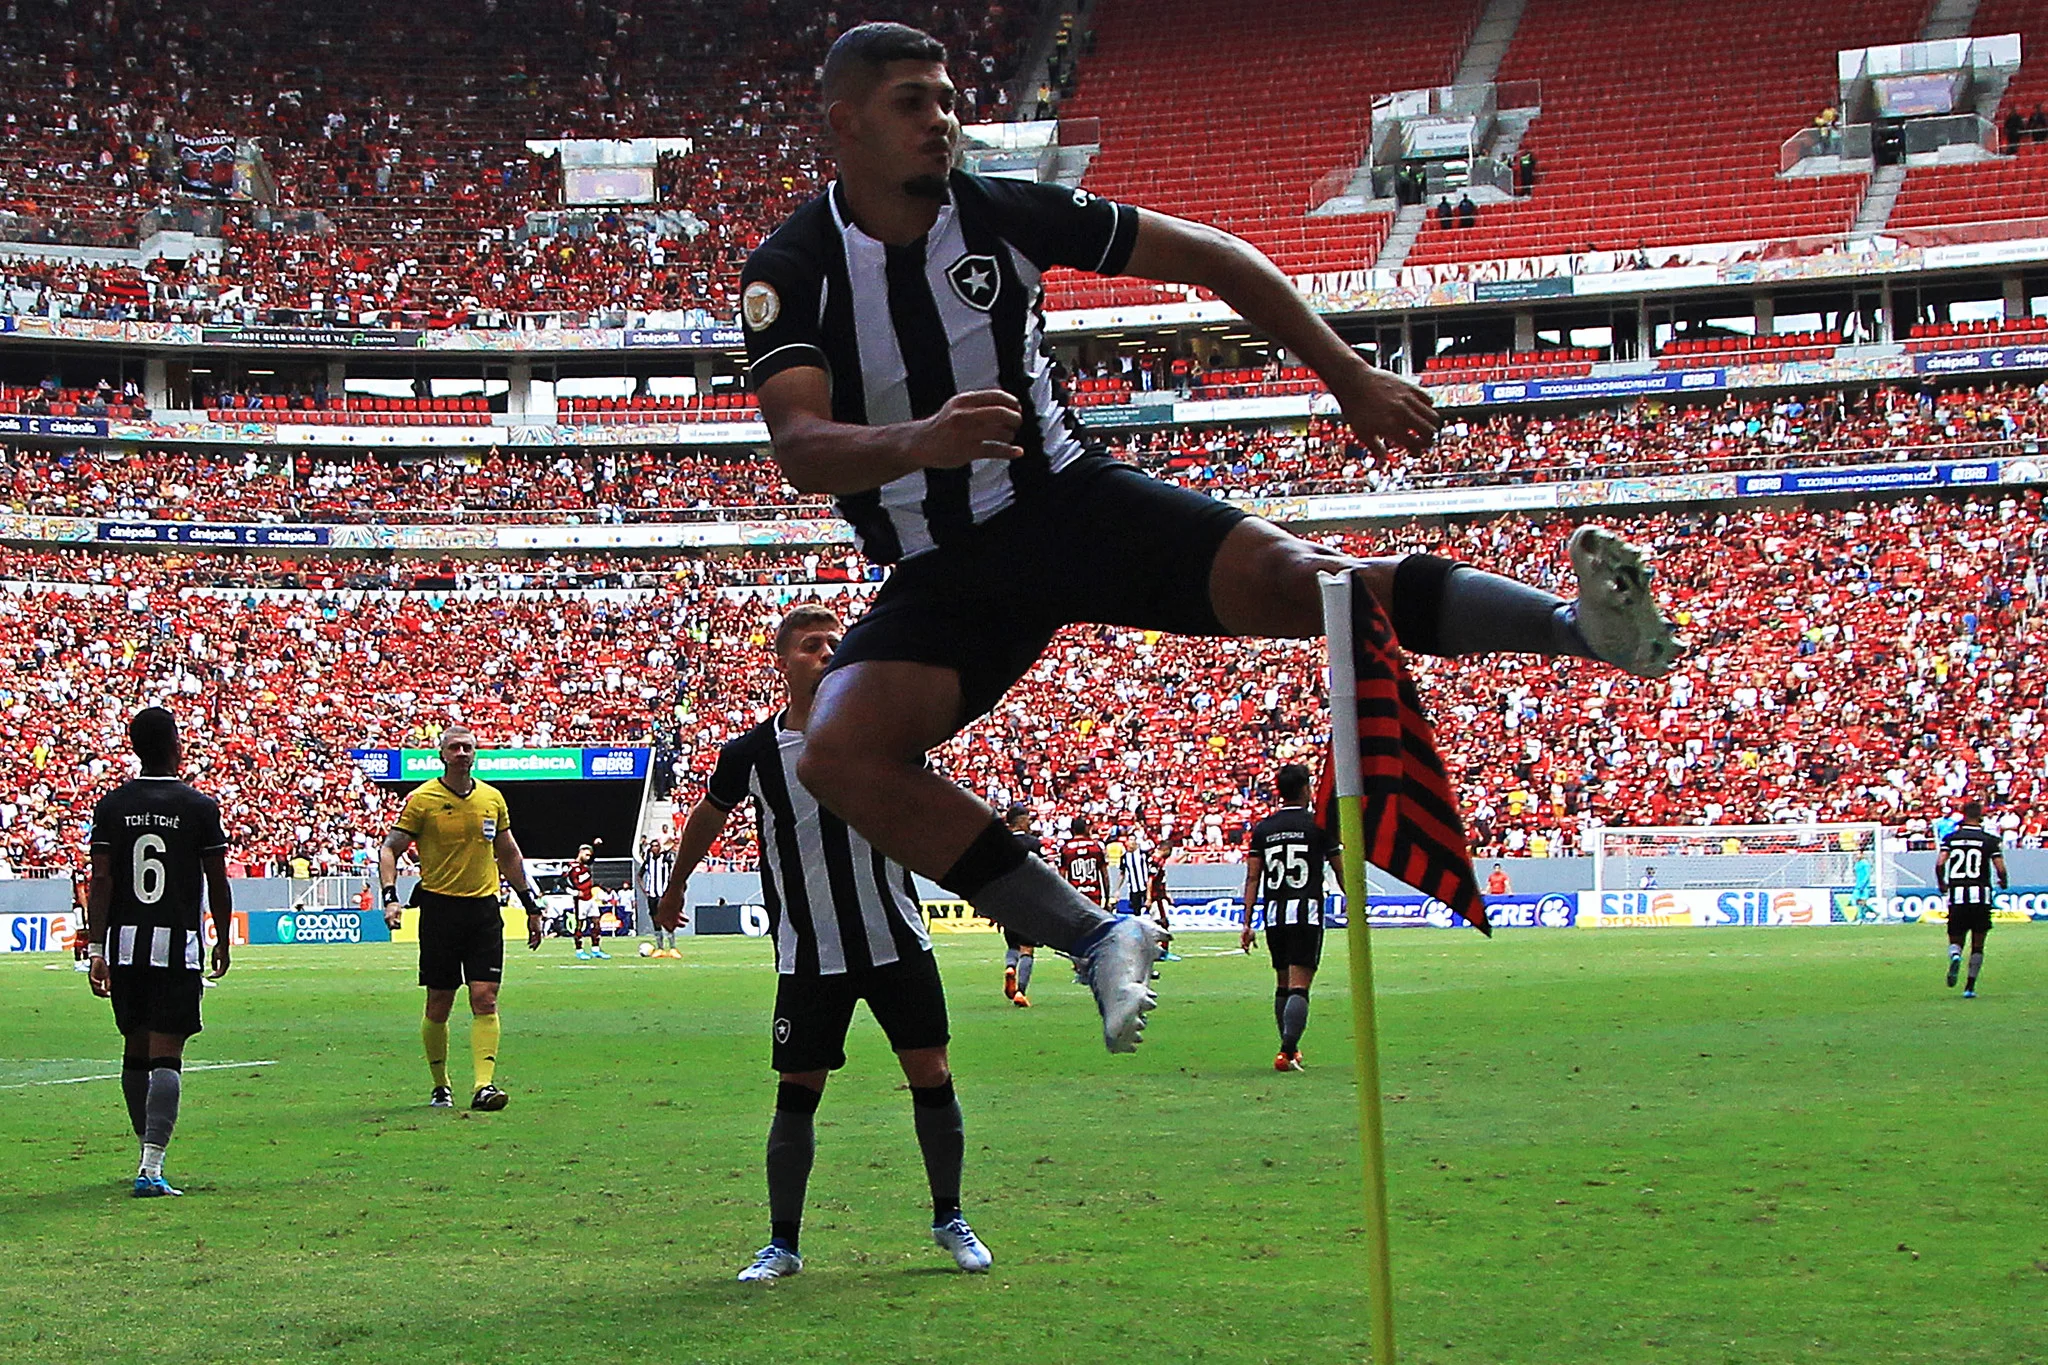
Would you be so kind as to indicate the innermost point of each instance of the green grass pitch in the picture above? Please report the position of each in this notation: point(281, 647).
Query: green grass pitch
point(1685, 1146)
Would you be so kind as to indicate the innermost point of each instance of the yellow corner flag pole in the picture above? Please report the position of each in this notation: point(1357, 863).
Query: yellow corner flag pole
point(1350, 787)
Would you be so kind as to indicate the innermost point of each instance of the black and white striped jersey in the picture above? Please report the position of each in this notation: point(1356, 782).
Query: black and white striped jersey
point(835, 904)
point(898, 330)
point(157, 832)
point(1136, 874)
point(1966, 867)
point(1292, 851)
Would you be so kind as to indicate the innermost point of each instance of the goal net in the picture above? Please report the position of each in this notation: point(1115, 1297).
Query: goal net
point(1858, 858)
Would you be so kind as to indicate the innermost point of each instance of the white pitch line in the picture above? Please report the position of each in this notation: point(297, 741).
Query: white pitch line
point(115, 1075)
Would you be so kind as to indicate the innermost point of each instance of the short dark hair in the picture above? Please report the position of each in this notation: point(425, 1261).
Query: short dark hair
point(802, 618)
point(857, 59)
point(1079, 825)
point(1292, 780)
point(153, 734)
point(1017, 811)
point(1973, 810)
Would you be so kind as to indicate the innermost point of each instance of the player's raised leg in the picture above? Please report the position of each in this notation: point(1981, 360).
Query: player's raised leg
point(1264, 582)
point(870, 727)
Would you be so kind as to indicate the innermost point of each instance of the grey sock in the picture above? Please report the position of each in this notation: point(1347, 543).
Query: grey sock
point(1010, 957)
point(792, 1147)
point(1039, 906)
point(1976, 966)
point(1293, 1020)
point(1483, 613)
point(942, 1137)
point(135, 1090)
point(160, 1111)
point(1280, 999)
point(1024, 961)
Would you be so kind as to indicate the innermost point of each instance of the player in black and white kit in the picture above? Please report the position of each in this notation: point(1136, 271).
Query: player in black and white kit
point(1285, 869)
point(846, 926)
point(1020, 955)
point(154, 842)
point(896, 340)
point(1962, 870)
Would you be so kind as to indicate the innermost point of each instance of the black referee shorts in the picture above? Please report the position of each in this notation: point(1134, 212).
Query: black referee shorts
point(462, 938)
point(1295, 945)
point(155, 1000)
point(813, 1013)
point(1102, 544)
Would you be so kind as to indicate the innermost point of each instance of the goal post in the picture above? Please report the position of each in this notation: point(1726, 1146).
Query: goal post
point(1735, 857)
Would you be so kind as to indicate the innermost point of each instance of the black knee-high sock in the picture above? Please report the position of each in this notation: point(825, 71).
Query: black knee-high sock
point(1280, 1012)
point(160, 1110)
point(135, 1090)
point(1293, 1018)
point(792, 1147)
point(942, 1137)
point(1446, 608)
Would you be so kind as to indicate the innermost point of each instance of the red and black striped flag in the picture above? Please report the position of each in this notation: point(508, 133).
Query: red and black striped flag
point(1412, 826)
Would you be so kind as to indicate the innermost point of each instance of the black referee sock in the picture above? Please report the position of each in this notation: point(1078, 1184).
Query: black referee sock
point(942, 1137)
point(1294, 1019)
point(135, 1089)
point(792, 1147)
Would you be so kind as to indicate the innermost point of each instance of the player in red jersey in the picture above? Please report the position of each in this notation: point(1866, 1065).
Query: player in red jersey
point(1083, 863)
point(582, 879)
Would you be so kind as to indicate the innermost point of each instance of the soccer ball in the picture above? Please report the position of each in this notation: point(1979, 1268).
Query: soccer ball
point(647, 950)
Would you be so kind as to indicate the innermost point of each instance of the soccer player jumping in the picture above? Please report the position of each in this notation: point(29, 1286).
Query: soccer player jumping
point(896, 342)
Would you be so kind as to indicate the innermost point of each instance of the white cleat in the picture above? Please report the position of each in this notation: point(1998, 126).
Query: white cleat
point(1616, 612)
point(772, 1262)
point(968, 1252)
point(1117, 971)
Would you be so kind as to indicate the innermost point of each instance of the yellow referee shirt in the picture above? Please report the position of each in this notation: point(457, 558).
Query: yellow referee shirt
point(455, 837)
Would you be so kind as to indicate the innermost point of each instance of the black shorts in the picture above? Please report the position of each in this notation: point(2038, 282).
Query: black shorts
point(1102, 544)
point(1295, 945)
point(1968, 919)
point(462, 938)
point(812, 1013)
point(155, 1000)
point(1018, 944)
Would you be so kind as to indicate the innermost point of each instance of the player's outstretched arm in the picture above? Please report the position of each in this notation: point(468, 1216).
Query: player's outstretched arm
point(1254, 873)
point(819, 455)
point(99, 905)
point(1384, 409)
point(220, 903)
point(700, 832)
point(512, 867)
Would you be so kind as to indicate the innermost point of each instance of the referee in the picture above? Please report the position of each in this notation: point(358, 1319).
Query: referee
point(896, 341)
point(463, 832)
point(847, 928)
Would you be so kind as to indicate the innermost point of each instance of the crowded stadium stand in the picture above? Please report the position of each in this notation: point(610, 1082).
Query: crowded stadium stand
point(1847, 663)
